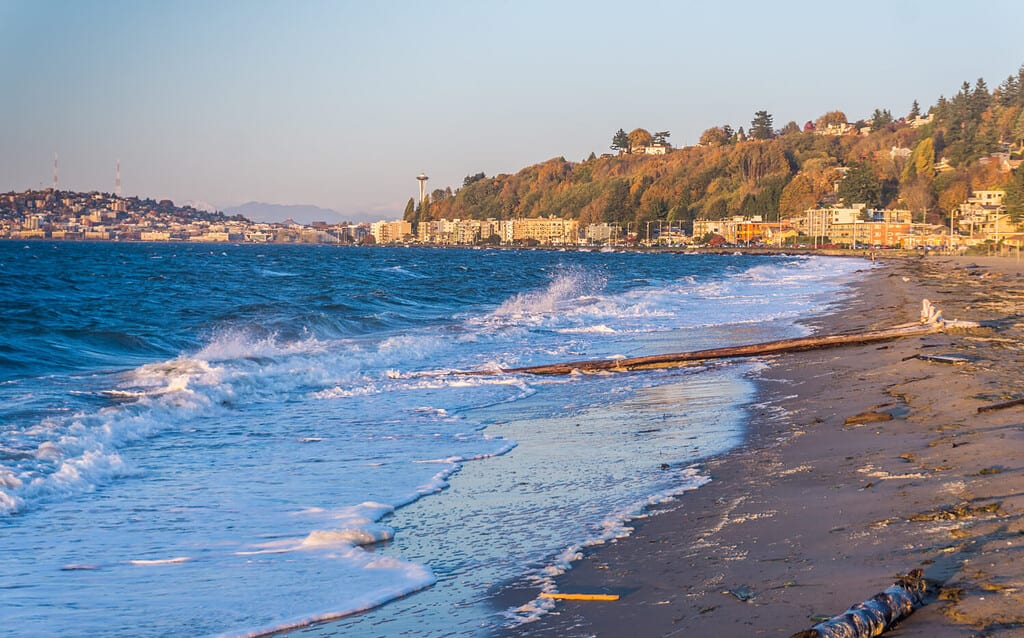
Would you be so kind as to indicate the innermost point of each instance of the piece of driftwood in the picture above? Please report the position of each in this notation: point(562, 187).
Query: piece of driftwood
point(876, 615)
point(931, 322)
point(597, 597)
point(1001, 406)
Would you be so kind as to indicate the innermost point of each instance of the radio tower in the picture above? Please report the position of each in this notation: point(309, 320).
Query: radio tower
point(55, 171)
point(117, 180)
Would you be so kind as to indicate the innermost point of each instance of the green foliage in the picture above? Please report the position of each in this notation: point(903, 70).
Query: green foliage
point(861, 186)
point(410, 211)
point(1014, 200)
point(880, 119)
point(761, 126)
point(767, 175)
point(476, 177)
point(620, 141)
point(922, 161)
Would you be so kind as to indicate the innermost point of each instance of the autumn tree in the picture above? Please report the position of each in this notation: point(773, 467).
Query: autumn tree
point(798, 195)
point(790, 129)
point(922, 161)
point(639, 138)
point(761, 126)
point(832, 118)
point(918, 196)
point(952, 193)
point(715, 136)
point(620, 141)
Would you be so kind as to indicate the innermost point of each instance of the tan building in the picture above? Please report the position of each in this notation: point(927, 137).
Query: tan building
point(550, 231)
point(385, 232)
point(862, 233)
point(983, 216)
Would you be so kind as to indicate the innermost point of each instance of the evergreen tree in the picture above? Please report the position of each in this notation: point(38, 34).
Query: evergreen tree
point(880, 119)
point(620, 141)
point(410, 211)
point(861, 186)
point(1014, 200)
point(761, 126)
point(915, 110)
point(424, 209)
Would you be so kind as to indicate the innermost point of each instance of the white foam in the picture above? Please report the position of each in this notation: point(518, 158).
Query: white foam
point(615, 525)
point(143, 562)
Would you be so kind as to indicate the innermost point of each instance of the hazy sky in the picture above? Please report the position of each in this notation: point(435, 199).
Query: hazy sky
point(342, 104)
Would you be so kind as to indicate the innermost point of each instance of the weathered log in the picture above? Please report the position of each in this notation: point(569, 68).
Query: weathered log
point(876, 615)
point(931, 322)
point(1001, 406)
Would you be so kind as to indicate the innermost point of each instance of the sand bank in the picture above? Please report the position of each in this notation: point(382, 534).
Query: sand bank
point(814, 513)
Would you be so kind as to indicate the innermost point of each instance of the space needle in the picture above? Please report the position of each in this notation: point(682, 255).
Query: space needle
point(423, 185)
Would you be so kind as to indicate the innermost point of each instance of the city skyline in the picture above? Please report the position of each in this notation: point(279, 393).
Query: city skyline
point(342, 105)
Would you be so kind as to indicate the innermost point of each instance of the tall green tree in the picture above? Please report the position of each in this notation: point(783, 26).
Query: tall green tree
point(915, 110)
point(1014, 200)
point(880, 119)
point(761, 126)
point(861, 186)
point(620, 141)
point(661, 137)
point(410, 211)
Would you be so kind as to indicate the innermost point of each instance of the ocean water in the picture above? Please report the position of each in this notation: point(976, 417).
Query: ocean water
point(230, 440)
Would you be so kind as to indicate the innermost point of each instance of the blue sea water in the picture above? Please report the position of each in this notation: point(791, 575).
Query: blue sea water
point(227, 440)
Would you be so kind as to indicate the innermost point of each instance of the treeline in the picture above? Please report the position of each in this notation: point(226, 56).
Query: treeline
point(927, 168)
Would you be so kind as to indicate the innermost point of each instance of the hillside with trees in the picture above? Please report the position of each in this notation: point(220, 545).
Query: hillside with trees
point(927, 165)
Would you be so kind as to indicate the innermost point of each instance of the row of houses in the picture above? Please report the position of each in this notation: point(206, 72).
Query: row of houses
point(549, 231)
point(982, 218)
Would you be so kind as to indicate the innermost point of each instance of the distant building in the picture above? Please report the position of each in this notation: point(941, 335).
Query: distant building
point(390, 232)
point(656, 149)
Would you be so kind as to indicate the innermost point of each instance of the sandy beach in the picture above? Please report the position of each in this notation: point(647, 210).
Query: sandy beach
point(819, 509)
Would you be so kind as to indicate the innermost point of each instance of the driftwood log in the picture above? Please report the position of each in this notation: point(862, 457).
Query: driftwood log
point(876, 615)
point(1001, 406)
point(931, 322)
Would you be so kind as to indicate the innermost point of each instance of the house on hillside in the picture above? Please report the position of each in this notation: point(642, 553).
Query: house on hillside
point(656, 149)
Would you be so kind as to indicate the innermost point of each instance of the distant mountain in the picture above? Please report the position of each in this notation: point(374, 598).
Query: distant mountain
point(268, 213)
point(200, 205)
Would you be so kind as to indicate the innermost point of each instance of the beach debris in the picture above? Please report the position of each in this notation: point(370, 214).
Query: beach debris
point(743, 593)
point(1001, 406)
point(868, 417)
point(955, 512)
point(931, 322)
point(950, 359)
point(876, 615)
point(597, 597)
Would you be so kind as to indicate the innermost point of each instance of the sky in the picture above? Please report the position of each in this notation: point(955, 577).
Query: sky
point(342, 104)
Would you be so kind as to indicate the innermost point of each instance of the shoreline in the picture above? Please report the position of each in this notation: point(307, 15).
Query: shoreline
point(810, 515)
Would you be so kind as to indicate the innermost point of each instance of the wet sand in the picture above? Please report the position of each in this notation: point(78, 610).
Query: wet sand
point(814, 513)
